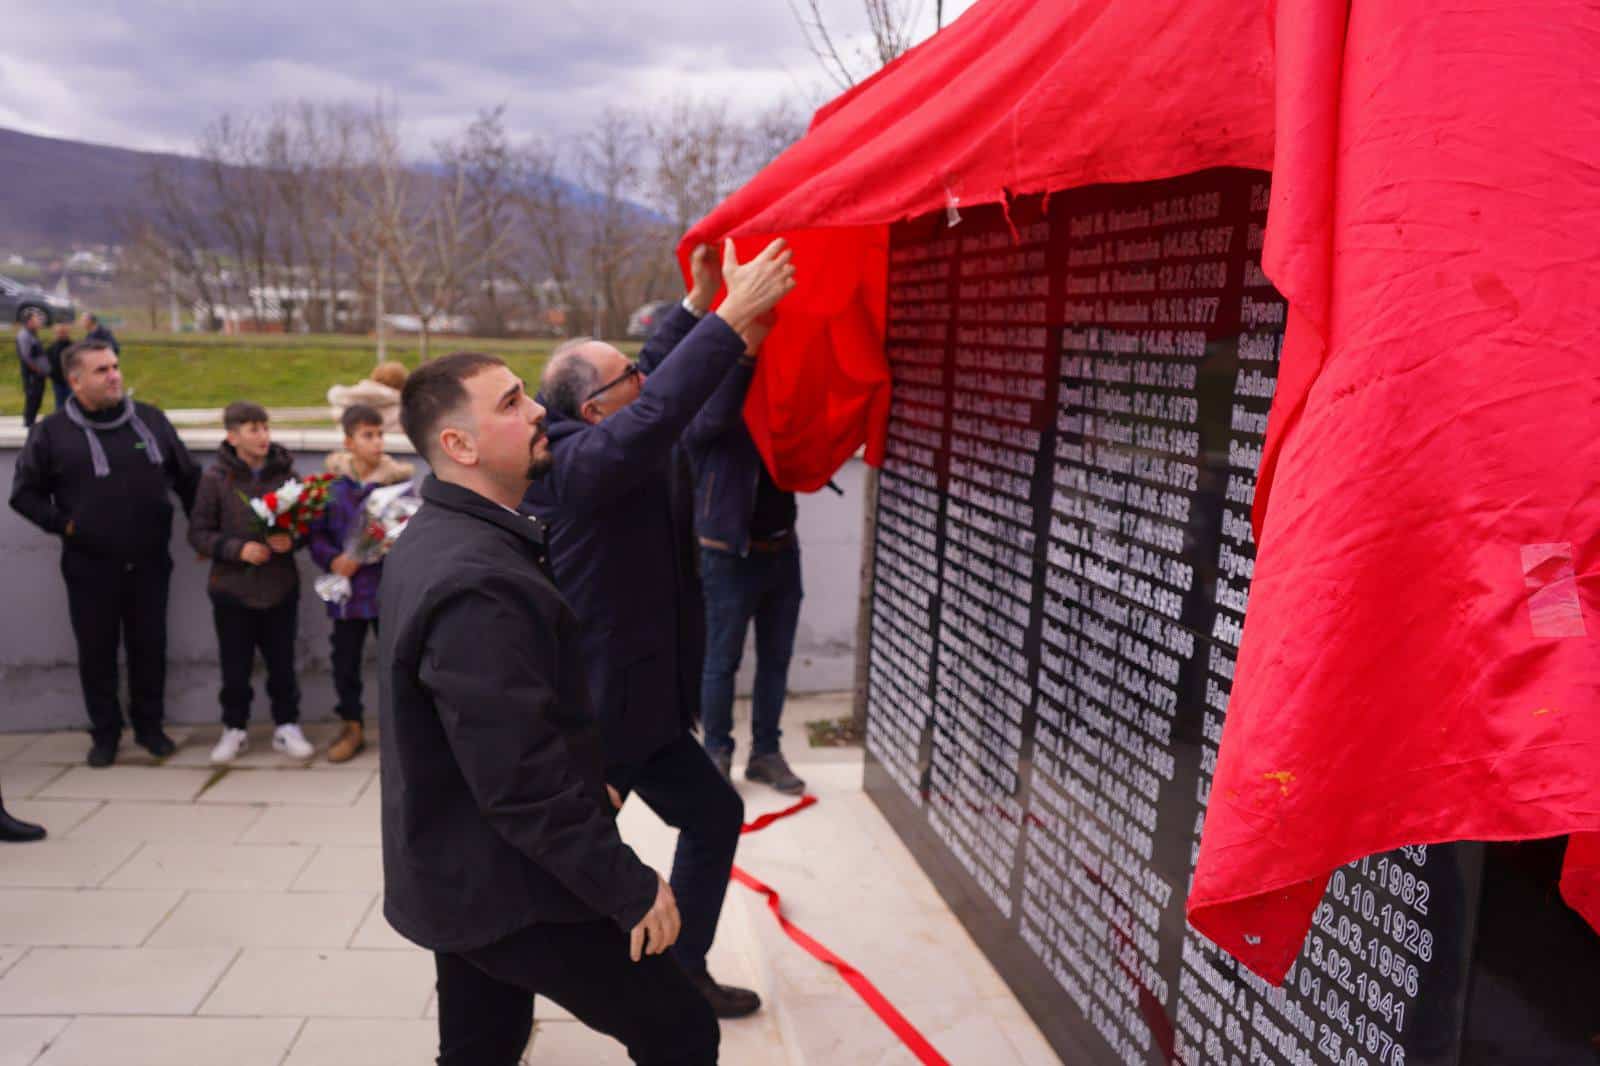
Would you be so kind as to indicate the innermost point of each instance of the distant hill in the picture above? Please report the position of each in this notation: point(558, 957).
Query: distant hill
point(57, 194)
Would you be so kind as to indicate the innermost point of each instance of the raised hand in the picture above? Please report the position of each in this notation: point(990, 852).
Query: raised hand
point(705, 270)
point(756, 287)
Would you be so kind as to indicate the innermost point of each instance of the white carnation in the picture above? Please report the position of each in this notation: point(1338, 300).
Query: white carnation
point(288, 493)
point(261, 510)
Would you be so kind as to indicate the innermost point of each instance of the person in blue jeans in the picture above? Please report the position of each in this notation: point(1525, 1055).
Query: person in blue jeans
point(749, 573)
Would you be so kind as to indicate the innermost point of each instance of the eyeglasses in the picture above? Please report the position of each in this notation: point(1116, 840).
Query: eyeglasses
point(629, 374)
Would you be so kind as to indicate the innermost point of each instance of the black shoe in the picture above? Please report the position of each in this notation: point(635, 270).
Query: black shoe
point(774, 770)
point(158, 744)
point(723, 761)
point(16, 831)
point(726, 1001)
point(102, 754)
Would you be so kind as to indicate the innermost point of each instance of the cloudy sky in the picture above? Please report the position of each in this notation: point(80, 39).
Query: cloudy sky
point(152, 73)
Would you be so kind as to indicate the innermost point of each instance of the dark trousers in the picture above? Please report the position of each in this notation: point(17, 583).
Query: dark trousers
point(682, 786)
point(111, 604)
point(349, 638)
point(241, 631)
point(486, 997)
point(763, 588)
point(32, 396)
point(61, 391)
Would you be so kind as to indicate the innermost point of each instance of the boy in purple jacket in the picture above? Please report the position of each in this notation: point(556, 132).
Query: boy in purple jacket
point(361, 467)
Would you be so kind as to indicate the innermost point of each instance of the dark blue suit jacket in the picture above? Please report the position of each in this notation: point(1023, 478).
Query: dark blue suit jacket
point(616, 502)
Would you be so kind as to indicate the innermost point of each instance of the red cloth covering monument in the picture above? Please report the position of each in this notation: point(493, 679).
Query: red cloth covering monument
point(1419, 661)
point(1420, 658)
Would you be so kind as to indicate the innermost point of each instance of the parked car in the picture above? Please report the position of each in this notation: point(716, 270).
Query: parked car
point(646, 318)
point(15, 298)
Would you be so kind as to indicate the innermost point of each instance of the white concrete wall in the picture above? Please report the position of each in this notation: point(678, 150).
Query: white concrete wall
point(38, 671)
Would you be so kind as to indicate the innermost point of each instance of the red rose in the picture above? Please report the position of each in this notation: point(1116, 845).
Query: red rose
point(283, 521)
point(271, 500)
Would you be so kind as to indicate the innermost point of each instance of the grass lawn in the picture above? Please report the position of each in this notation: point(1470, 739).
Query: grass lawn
point(206, 370)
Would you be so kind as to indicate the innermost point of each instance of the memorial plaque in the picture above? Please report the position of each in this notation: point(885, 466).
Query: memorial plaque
point(1064, 556)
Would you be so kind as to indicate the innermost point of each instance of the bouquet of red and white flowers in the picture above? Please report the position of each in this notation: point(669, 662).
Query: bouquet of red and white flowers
point(292, 506)
point(384, 514)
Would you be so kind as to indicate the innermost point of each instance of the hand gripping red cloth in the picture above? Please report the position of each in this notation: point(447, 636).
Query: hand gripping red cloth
point(1015, 97)
point(1419, 659)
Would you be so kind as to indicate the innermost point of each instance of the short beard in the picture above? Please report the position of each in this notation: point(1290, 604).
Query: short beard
point(537, 468)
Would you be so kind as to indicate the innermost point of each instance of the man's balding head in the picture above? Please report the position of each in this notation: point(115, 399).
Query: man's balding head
point(589, 380)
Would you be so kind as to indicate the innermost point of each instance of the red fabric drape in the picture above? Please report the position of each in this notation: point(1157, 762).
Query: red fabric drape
point(1014, 97)
point(1419, 660)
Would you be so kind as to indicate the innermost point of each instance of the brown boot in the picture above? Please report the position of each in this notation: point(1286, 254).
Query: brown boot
point(351, 743)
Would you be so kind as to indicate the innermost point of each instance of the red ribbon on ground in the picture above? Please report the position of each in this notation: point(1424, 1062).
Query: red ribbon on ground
point(880, 1005)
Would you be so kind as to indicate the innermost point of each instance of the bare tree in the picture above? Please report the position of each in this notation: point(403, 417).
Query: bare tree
point(493, 174)
point(700, 157)
point(891, 27)
point(629, 254)
point(424, 227)
point(311, 161)
point(548, 264)
point(244, 205)
point(771, 133)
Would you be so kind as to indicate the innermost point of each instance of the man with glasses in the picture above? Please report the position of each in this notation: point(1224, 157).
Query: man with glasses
point(622, 546)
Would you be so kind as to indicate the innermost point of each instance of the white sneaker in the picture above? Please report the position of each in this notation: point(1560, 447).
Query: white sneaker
point(293, 743)
point(234, 742)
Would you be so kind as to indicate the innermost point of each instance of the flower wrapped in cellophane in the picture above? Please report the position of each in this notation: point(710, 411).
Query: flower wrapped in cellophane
point(383, 517)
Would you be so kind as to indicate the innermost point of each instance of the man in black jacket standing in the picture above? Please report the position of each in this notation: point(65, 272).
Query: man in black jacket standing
point(623, 551)
point(99, 474)
point(34, 364)
point(500, 848)
point(96, 330)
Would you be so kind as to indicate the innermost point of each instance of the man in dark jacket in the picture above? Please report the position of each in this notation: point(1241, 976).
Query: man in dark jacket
point(500, 849)
point(95, 330)
point(623, 556)
point(254, 584)
point(99, 475)
point(749, 572)
point(34, 365)
point(54, 356)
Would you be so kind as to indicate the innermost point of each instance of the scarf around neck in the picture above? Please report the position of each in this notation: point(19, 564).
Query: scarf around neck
point(92, 429)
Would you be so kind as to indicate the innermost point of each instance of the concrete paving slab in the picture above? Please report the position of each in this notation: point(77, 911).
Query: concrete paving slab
point(340, 826)
point(21, 780)
point(112, 980)
point(213, 867)
point(375, 933)
point(53, 863)
point(23, 1039)
point(150, 783)
point(166, 822)
point(13, 744)
point(59, 817)
point(362, 1042)
point(262, 919)
point(317, 786)
point(172, 1042)
point(69, 917)
point(336, 869)
point(278, 982)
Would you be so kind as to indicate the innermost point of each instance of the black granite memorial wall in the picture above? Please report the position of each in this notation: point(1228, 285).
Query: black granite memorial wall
point(1063, 561)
